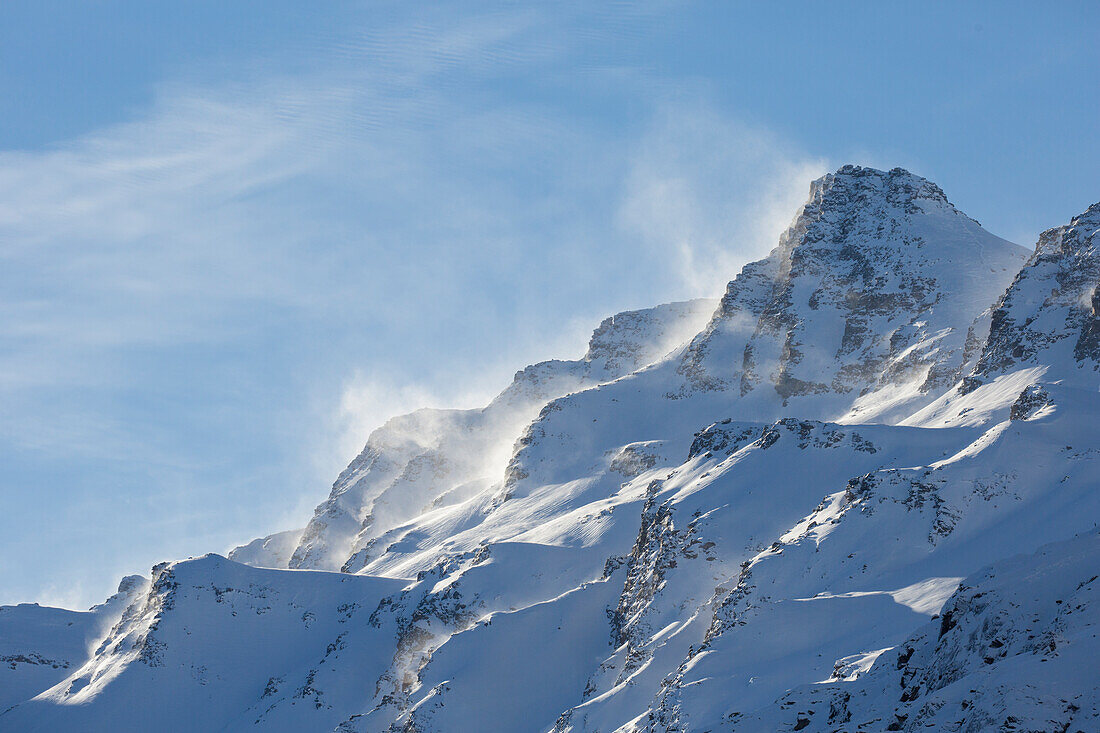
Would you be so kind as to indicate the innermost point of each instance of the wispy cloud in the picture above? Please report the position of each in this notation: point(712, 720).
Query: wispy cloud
point(218, 203)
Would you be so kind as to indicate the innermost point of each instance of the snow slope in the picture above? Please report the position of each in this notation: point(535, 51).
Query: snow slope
point(1014, 649)
point(748, 523)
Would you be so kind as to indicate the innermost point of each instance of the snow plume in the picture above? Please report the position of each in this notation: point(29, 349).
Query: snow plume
point(370, 399)
point(711, 193)
point(1088, 299)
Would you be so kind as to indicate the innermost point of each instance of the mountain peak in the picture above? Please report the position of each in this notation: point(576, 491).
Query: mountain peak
point(857, 186)
point(874, 283)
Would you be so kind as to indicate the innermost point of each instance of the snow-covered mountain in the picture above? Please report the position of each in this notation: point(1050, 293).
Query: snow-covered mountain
point(860, 497)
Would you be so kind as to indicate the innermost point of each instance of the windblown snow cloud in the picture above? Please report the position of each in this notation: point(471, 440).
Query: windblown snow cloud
point(712, 192)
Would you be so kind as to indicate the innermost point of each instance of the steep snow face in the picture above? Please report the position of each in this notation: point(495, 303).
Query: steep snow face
point(1052, 306)
point(434, 458)
point(875, 283)
point(847, 574)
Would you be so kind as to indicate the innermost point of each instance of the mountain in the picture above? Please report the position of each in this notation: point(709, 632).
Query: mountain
point(861, 496)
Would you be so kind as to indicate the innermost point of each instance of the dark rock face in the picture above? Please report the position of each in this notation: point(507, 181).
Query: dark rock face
point(726, 437)
point(1030, 401)
point(721, 438)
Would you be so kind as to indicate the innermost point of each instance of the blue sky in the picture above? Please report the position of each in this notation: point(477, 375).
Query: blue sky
point(236, 236)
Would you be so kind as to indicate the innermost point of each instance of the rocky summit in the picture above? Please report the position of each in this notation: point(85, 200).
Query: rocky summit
point(857, 493)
